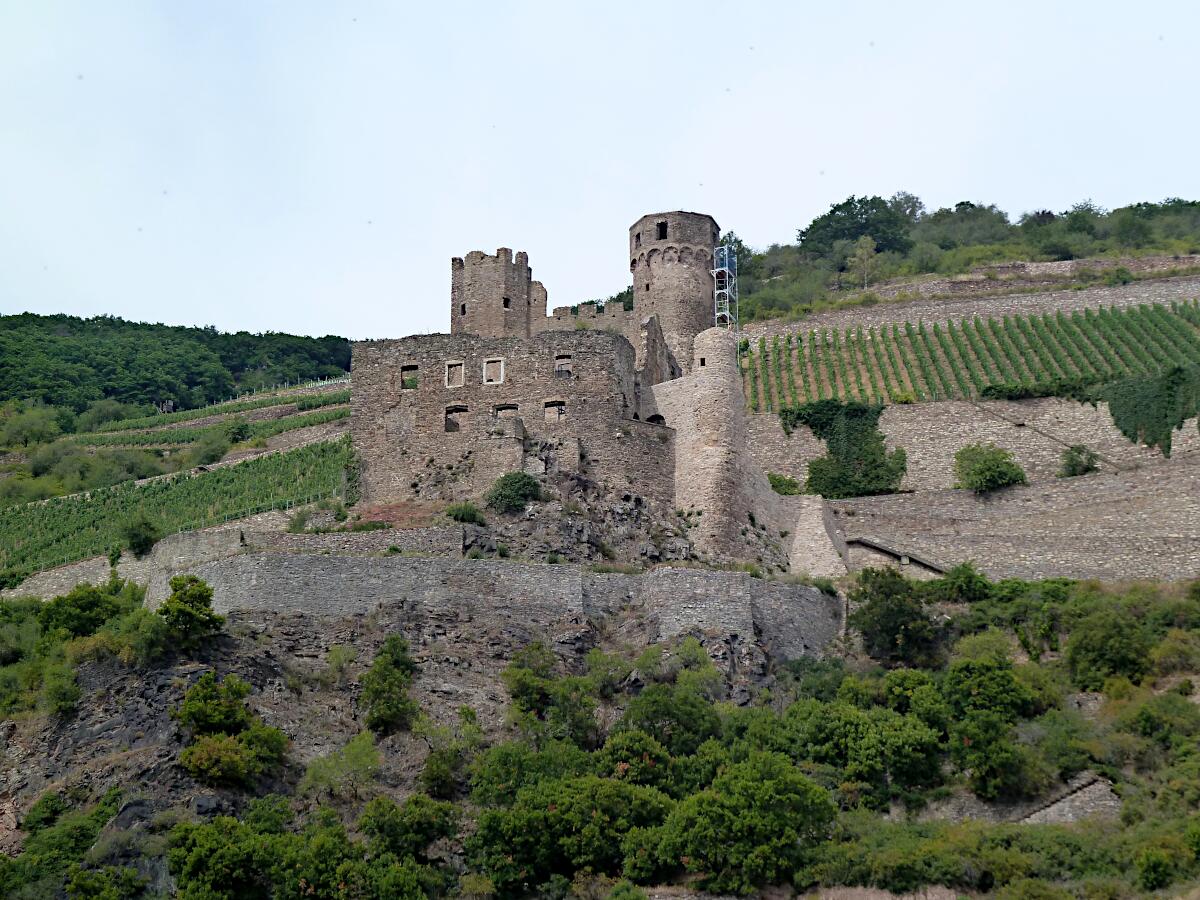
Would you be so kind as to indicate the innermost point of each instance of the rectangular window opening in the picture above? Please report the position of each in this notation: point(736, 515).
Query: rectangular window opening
point(408, 378)
point(504, 411)
point(462, 309)
point(507, 303)
point(564, 367)
point(637, 239)
point(702, 362)
point(456, 417)
point(662, 231)
point(454, 374)
point(493, 371)
point(556, 411)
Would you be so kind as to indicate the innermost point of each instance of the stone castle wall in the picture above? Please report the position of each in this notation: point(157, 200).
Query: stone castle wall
point(670, 262)
point(495, 296)
point(715, 474)
point(1036, 431)
point(470, 409)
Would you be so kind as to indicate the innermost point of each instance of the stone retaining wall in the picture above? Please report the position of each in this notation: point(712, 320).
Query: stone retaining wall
point(790, 619)
point(444, 540)
point(1143, 523)
point(1036, 431)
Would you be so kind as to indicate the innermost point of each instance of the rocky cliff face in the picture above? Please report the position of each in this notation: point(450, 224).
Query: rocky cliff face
point(462, 636)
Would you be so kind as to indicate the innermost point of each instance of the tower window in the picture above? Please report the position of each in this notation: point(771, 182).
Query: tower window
point(408, 378)
point(637, 239)
point(647, 287)
point(456, 416)
point(556, 411)
point(462, 309)
point(493, 371)
point(454, 374)
point(563, 366)
point(662, 231)
point(702, 362)
point(507, 303)
point(504, 411)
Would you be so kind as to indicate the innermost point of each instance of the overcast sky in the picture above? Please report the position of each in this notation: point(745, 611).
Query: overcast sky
point(311, 167)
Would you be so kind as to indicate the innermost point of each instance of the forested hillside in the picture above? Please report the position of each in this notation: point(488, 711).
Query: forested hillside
point(66, 361)
point(864, 240)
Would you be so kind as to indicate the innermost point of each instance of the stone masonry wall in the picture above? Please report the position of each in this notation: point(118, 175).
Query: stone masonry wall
point(672, 275)
point(446, 540)
point(715, 474)
point(1036, 431)
point(495, 296)
point(1142, 523)
point(793, 620)
point(471, 409)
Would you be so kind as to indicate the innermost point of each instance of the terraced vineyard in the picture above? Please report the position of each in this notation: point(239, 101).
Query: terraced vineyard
point(304, 401)
point(163, 437)
point(961, 360)
point(38, 536)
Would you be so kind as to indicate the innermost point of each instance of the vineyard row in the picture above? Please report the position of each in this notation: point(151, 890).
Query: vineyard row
point(903, 362)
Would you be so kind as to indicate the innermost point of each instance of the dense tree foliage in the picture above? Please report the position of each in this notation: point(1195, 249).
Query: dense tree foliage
point(637, 769)
point(791, 279)
point(71, 362)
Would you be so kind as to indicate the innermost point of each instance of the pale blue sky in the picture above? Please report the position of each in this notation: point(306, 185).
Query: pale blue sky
point(312, 166)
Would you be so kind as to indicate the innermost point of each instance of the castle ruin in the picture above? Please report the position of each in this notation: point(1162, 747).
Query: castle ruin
point(645, 401)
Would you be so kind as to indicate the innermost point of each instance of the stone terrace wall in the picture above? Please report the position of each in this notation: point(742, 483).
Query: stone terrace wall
point(444, 540)
point(1036, 431)
point(178, 552)
point(1008, 276)
point(1163, 291)
point(1143, 523)
point(792, 620)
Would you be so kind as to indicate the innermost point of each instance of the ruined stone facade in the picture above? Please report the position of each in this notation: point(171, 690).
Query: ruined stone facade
point(645, 401)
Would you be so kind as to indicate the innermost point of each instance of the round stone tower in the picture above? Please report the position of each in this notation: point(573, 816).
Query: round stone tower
point(670, 260)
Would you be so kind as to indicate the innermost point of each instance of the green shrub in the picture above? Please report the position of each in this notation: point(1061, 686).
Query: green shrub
point(676, 716)
point(1178, 651)
point(451, 750)
point(555, 828)
point(858, 463)
point(343, 772)
point(784, 484)
point(82, 610)
point(986, 467)
point(407, 830)
point(385, 686)
point(754, 826)
point(54, 848)
point(188, 612)
point(1078, 460)
point(466, 512)
point(229, 744)
point(1105, 643)
point(635, 757)
point(106, 883)
point(513, 491)
point(501, 771)
point(890, 614)
point(140, 535)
